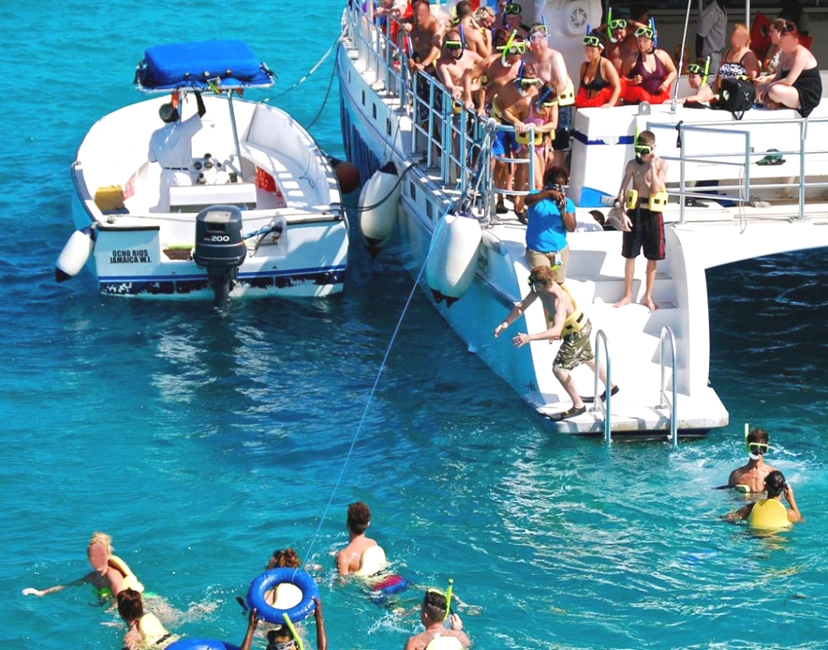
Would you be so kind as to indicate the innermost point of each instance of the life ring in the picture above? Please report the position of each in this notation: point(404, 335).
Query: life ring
point(201, 644)
point(270, 580)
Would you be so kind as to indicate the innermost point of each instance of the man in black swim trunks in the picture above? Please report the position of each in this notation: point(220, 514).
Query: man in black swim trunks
point(641, 225)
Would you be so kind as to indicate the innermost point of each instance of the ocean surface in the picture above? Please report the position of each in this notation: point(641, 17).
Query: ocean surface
point(201, 444)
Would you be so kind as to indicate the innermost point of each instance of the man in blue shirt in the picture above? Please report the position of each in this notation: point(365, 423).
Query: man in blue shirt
point(551, 216)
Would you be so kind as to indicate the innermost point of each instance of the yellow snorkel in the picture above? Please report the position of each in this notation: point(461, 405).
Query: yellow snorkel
point(704, 81)
point(506, 48)
point(293, 631)
point(448, 598)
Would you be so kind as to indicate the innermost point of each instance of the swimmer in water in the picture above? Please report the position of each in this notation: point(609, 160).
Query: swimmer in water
point(432, 616)
point(144, 629)
point(349, 559)
point(752, 475)
point(776, 487)
point(282, 638)
point(109, 576)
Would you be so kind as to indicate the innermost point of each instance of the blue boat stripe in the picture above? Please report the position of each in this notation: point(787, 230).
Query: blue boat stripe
point(581, 137)
point(256, 274)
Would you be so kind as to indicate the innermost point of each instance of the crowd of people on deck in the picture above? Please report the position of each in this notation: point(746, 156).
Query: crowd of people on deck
point(113, 583)
point(496, 66)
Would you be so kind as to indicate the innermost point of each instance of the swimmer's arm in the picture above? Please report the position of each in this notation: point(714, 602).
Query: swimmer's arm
point(559, 72)
point(252, 622)
point(116, 581)
point(611, 75)
point(321, 637)
point(794, 515)
point(735, 476)
point(51, 590)
point(661, 173)
point(342, 564)
point(516, 312)
point(741, 513)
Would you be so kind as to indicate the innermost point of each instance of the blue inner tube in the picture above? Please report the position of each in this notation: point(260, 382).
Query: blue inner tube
point(268, 581)
point(201, 644)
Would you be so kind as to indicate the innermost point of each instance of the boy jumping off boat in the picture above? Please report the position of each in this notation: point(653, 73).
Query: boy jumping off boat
point(569, 325)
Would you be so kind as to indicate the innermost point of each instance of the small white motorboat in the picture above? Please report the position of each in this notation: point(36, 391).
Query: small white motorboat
point(255, 210)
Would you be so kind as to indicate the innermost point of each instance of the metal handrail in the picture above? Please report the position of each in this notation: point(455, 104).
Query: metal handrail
point(597, 403)
point(711, 127)
point(667, 335)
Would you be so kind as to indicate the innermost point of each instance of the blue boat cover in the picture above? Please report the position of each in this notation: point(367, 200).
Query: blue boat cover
point(226, 64)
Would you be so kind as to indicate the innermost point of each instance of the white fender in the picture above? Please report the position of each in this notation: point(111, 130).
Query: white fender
point(75, 254)
point(377, 224)
point(453, 259)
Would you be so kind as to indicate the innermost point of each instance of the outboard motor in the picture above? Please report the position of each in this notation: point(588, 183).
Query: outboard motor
point(219, 247)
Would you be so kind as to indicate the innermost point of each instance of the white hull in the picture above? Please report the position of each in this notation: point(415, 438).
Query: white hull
point(377, 123)
point(141, 252)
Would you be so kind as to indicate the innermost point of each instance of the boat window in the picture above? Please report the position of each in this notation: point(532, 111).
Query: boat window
point(429, 210)
point(412, 191)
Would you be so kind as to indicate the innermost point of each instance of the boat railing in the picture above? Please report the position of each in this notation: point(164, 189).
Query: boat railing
point(745, 185)
point(671, 403)
point(447, 136)
point(597, 403)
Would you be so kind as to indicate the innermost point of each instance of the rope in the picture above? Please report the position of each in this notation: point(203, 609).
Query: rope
point(316, 67)
point(324, 101)
point(315, 535)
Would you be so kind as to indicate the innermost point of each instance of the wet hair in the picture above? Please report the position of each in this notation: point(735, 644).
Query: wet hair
point(557, 175)
point(541, 274)
point(359, 516)
point(280, 636)
point(435, 604)
point(464, 9)
point(758, 436)
point(130, 605)
point(100, 538)
point(775, 484)
point(646, 137)
point(284, 559)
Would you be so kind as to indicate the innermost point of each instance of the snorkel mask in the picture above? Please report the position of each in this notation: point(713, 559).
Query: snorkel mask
point(755, 450)
point(642, 150)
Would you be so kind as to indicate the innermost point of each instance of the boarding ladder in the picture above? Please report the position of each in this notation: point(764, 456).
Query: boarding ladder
point(666, 402)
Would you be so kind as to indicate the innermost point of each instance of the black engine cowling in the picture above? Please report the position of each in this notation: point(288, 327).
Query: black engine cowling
point(219, 247)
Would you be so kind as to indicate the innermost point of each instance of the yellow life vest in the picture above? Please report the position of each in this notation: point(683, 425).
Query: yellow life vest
point(152, 631)
point(372, 561)
point(769, 514)
point(567, 96)
point(130, 581)
point(576, 321)
point(523, 138)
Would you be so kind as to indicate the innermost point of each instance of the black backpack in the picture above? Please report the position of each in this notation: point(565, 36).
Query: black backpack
point(736, 96)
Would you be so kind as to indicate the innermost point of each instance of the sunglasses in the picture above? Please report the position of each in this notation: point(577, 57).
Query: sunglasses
point(618, 24)
point(694, 68)
point(643, 149)
point(644, 31)
point(514, 48)
point(453, 45)
point(512, 9)
point(593, 41)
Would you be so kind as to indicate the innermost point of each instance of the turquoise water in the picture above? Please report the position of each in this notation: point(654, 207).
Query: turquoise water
point(202, 444)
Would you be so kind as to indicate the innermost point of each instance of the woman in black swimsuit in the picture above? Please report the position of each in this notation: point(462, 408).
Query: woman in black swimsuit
point(797, 83)
point(604, 86)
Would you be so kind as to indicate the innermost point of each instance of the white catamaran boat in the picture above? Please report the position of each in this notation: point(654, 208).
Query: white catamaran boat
point(660, 358)
point(259, 212)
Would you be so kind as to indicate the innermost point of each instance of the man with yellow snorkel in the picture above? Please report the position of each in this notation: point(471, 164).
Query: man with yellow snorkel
point(433, 614)
point(751, 476)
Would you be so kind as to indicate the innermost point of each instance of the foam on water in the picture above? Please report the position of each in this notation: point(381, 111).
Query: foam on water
point(202, 444)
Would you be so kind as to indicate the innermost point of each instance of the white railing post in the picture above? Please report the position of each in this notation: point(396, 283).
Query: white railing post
point(667, 334)
point(601, 342)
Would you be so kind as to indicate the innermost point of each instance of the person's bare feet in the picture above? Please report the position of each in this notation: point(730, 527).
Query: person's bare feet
point(649, 304)
point(626, 300)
